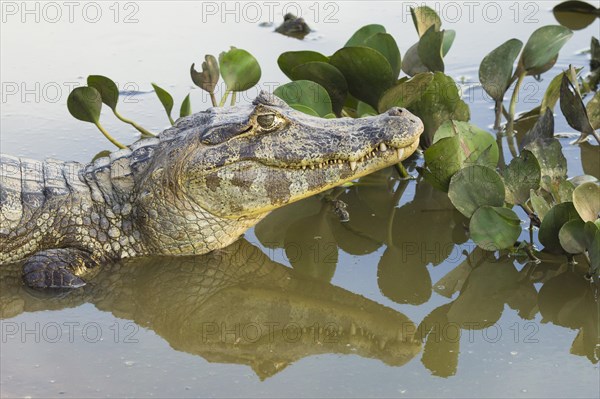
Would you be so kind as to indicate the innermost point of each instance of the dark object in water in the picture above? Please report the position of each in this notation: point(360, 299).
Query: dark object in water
point(293, 26)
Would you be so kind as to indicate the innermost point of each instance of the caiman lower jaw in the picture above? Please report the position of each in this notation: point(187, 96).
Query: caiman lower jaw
point(381, 152)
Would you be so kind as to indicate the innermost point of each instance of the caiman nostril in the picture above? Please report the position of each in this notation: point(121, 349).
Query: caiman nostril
point(395, 111)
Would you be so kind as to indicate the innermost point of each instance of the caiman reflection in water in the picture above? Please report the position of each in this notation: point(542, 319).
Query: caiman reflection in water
point(234, 306)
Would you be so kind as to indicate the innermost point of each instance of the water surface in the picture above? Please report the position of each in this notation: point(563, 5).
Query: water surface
point(395, 303)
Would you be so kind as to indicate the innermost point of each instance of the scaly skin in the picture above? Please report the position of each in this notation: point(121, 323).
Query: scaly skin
point(196, 188)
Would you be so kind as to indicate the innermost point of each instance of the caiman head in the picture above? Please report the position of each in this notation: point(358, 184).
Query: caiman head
point(247, 160)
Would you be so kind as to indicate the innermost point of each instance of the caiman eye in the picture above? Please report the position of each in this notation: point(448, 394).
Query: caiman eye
point(266, 121)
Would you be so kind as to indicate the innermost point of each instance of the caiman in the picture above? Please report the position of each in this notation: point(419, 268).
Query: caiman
point(195, 188)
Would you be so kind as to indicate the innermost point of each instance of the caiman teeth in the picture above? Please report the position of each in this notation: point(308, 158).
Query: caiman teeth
point(353, 165)
point(400, 153)
point(382, 147)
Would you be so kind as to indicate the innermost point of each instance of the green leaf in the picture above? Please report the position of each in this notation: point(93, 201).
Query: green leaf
point(475, 186)
point(542, 129)
point(367, 72)
point(553, 163)
point(496, 68)
point(543, 46)
point(365, 109)
point(440, 103)
point(539, 204)
point(572, 237)
point(386, 45)
point(574, 111)
point(239, 69)
point(107, 88)
point(575, 15)
point(165, 99)
point(306, 110)
point(327, 76)
point(209, 77)
point(291, 59)
point(412, 64)
point(85, 104)
point(430, 50)
point(552, 93)
point(406, 92)
point(494, 228)
point(478, 145)
point(443, 159)
point(360, 36)
point(593, 111)
point(186, 107)
point(306, 93)
point(586, 199)
point(424, 18)
point(594, 251)
point(522, 175)
point(553, 222)
point(449, 36)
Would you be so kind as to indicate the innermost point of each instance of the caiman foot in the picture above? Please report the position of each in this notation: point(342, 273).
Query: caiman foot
point(57, 268)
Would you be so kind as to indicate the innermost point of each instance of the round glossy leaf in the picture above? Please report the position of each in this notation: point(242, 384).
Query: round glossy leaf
point(572, 237)
point(553, 222)
point(476, 186)
point(412, 64)
point(386, 45)
point(405, 93)
point(496, 68)
point(430, 50)
point(424, 18)
point(575, 14)
point(107, 88)
point(522, 175)
point(543, 46)
point(479, 146)
point(306, 93)
point(440, 103)
point(291, 59)
point(239, 69)
point(327, 76)
point(360, 36)
point(85, 104)
point(443, 159)
point(494, 228)
point(367, 72)
point(586, 199)
point(553, 163)
point(209, 77)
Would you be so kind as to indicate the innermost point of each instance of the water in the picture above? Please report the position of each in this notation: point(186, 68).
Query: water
point(343, 321)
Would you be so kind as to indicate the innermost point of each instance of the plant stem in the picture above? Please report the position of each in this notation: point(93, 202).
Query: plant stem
point(402, 171)
point(513, 102)
point(108, 136)
point(498, 109)
point(213, 99)
point(233, 99)
point(171, 120)
point(224, 98)
point(140, 129)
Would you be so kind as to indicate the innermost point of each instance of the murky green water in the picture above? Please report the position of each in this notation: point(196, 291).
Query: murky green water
point(395, 303)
